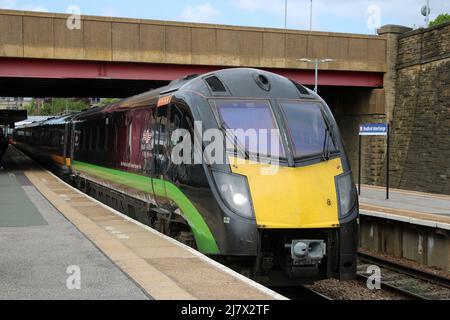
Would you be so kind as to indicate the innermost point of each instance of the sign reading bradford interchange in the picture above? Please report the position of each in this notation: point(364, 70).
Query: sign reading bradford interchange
point(373, 129)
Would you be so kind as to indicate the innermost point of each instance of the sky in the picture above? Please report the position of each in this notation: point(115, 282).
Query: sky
point(353, 16)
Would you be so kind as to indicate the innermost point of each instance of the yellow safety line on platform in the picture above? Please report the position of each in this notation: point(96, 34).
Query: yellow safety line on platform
point(122, 241)
point(406, 213)
point(154, 282)
point(410, 192)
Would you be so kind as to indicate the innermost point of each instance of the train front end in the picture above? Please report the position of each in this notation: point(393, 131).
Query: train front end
point(286, 192)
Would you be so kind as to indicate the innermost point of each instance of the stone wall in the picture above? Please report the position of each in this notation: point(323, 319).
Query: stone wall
point(420, 158)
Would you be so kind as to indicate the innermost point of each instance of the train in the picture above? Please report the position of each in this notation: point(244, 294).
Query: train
point(281, 208)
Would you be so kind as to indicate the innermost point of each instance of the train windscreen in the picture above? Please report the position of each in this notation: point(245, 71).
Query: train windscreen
point(308, 128)
point(253, 125)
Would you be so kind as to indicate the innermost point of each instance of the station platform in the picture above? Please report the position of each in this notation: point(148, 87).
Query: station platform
point(410, 225)
point(432, 210)
point(48, 229)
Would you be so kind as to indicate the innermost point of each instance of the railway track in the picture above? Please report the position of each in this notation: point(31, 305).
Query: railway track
point(301, 293)
point(413, 283)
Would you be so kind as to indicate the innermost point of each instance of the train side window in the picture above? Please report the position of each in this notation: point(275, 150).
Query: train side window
point(83, 139)
point(116, 138)
point(86, 138)
point(101, 138)
point(91, 138)
point(105, 142)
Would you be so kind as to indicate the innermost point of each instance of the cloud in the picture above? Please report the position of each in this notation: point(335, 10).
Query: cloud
point(201, 13)
point(12, 4)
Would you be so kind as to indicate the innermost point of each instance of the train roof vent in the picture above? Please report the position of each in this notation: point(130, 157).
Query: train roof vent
point(300, 88)
point(215, 84)
point(262, 82)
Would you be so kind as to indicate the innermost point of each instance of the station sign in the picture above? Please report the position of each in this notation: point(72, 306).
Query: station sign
point(373, 129)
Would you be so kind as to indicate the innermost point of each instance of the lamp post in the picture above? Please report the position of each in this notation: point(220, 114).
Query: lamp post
point(316, 68)
point(310, 16)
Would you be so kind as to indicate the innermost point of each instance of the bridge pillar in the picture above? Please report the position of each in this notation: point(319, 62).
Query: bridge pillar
point(391, 33)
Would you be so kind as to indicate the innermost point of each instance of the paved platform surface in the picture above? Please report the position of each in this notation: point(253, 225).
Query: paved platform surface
point(409, 204)
point(38, 246)
point(124, 249)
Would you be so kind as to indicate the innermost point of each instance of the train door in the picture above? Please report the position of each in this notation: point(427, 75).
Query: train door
point(180, 146)
point(69, 145)
point(161, 155)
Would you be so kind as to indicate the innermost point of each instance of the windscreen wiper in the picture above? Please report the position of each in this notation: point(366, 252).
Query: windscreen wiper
point(325, 149)
point(328, 133)
point(225, 127)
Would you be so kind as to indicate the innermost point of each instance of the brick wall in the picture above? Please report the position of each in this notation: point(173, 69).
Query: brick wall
point(420, 158)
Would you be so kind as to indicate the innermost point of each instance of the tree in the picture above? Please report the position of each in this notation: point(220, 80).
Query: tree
point(440, 19)
point(55, 106)
point(107, 101)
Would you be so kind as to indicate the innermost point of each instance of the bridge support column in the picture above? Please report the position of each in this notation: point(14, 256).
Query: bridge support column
point(391, 32)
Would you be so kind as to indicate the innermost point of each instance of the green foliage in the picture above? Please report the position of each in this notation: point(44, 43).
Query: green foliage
point(55, 106)
point(106, 101)
point(442, 18)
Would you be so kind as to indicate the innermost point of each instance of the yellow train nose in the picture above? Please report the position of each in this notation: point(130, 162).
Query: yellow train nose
point(302, 197)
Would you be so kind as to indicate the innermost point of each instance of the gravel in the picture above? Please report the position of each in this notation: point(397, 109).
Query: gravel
point(408, 263)
point(352, 290)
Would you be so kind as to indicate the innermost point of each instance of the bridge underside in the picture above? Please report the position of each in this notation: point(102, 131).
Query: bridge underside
point(70, 87)
point(21, 77)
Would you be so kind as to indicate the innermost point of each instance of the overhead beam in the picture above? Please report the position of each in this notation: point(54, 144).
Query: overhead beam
point(78, 69)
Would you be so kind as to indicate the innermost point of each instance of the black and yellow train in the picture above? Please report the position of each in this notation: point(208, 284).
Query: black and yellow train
point(282, 207)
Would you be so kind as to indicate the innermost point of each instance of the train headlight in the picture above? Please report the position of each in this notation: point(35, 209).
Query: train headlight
point(233, 189)
point(346, 193)
point(239, 199)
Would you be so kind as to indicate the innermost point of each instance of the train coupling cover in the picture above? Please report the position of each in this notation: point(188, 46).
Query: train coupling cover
point(307, 252)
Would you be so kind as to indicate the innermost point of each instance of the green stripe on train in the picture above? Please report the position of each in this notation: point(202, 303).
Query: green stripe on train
point(203, 236)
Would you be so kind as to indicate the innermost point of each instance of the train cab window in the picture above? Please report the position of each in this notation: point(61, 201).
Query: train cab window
point(181, 120)
point(307, 128)
point(254, 126)
point(175, 120)
point(186, 171)
point(160, 140)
